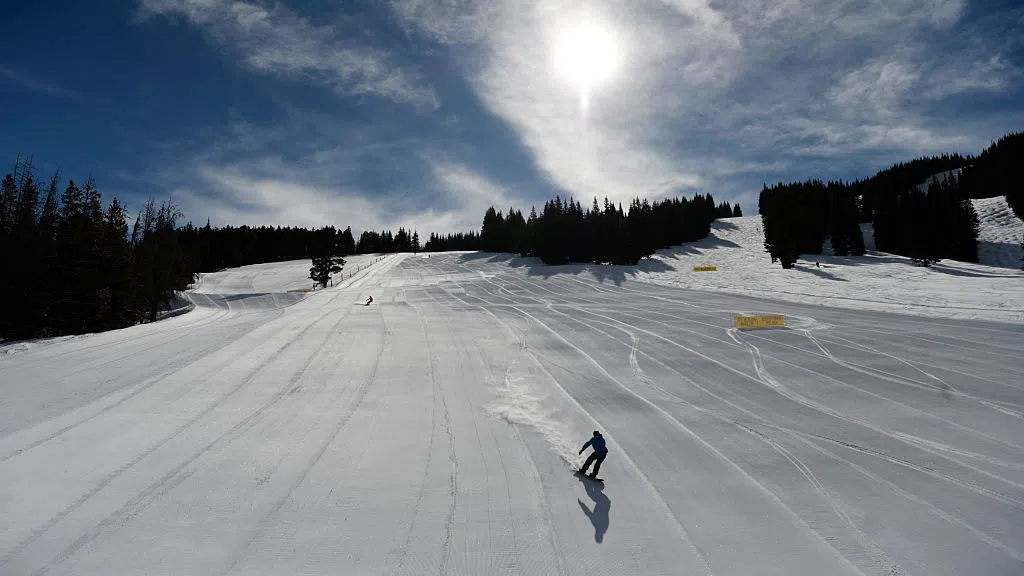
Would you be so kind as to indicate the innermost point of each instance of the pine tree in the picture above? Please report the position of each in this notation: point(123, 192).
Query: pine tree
point(93, 293)
point(515, 226)
point(490, 231)
point(854, 234)
point(118, 273)
point(46, 258)
point(347, 243)
point(327, 260)
point(997, 172)
point(782, 221)
point(18, 240)
point(415, 242)
point(402, 242)
point(736, 212)
point(922, 212)
point(8, 198)
point(838, 221)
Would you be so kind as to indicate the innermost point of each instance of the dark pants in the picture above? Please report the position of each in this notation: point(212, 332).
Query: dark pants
point(594, 459)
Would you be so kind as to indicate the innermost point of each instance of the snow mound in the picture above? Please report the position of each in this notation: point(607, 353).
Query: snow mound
point(22, 346)
point(1000, 235)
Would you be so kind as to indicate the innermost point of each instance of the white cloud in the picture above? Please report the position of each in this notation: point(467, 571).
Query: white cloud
point(710, 96)
point(232, 195)
point(880, 88)
point(229, 195)
point(612, 148)
point(277, 41)
point(450, 21)
point(757, 79)
point(36, 84)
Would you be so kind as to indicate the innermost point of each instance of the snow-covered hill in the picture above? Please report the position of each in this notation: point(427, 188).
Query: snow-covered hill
point(947, 175)
point(275, 277)
point(991, 290)
point(877, 281)
point(434, 432)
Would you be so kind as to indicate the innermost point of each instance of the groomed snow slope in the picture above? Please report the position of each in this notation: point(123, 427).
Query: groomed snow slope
point(878, 281)
point(434, 433)
point(276, 277)
point(1001, 233)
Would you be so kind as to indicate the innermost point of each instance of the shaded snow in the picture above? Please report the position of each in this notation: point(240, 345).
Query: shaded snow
point(934, 178)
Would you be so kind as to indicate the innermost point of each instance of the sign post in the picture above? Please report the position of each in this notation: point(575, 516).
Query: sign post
point(758, 321)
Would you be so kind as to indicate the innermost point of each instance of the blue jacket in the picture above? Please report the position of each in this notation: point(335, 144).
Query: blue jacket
point(598, 444)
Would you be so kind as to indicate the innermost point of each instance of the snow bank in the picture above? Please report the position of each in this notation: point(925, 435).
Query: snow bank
point(21, 346)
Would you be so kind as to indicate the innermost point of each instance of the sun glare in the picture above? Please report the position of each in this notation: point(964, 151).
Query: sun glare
point(587, 56)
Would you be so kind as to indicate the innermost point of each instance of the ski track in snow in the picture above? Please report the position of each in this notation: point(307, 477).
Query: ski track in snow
point(436, 431)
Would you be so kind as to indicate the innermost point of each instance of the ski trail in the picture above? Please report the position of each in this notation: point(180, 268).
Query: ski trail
point(897, 380)
point(118, 396)
point(913, 497)
point(774, 384)
point(683, 532)
point(876, 557)
point(697, 438)
point(162, 485)
point(765, 378)
point(762, 371)
point(349, 411)
point(552, 535)
point(812, 325)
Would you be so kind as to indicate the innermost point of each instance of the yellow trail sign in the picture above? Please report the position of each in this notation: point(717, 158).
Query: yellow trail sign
point(758, 321)
point(705, 268)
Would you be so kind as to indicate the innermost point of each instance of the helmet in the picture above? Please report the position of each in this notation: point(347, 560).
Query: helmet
point(596, 433)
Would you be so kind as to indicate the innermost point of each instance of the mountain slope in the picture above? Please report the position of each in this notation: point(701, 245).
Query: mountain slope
point(435, 432)
point(876, 281)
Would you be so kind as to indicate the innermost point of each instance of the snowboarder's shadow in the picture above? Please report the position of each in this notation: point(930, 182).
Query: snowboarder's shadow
point(602, 506)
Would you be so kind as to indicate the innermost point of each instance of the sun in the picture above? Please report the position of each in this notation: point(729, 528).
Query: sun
point(587, 55)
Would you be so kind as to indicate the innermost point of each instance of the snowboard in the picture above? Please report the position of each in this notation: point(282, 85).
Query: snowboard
point(584, 476)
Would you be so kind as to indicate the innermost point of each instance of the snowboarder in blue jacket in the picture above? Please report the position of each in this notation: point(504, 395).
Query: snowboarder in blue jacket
point(597, 456)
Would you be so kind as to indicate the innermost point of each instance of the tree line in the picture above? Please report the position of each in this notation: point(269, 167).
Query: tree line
point(998, 171)
point(926, 223)
point(208, 249)
point(386, 242)
point(565, 232)
point(72, 265)
point(798, 217)
point(451, 242)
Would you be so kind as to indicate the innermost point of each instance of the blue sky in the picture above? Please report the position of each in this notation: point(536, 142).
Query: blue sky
point(421, 113)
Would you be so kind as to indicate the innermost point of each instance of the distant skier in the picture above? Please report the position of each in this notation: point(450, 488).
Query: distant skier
point(597, 456)
point(369, 301)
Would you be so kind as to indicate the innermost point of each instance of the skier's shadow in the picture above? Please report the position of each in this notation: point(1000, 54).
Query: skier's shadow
point(602, 506)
